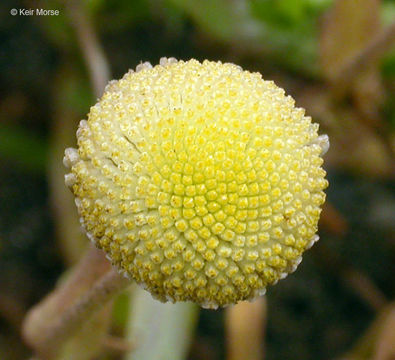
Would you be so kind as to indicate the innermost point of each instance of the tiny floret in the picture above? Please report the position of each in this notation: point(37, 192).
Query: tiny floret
point(201, 182)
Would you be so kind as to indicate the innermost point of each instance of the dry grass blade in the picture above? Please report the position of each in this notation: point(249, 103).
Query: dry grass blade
point(90, 46)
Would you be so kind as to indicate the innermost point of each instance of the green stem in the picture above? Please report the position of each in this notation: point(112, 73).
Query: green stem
point(160, 331)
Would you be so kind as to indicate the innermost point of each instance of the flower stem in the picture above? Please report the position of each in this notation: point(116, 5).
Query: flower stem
point(49, 324)
point(159, 331)
point(245, 330)
point(71, 320)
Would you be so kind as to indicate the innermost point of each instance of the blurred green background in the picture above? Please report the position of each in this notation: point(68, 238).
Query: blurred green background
point(336, 58)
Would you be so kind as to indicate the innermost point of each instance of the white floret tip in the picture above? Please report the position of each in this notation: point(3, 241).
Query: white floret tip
point(70, 157)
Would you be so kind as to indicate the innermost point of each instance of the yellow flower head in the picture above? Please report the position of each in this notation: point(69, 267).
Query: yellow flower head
point(200, 181)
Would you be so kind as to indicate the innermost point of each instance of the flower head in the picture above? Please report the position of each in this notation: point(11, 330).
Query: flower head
point(200, 181)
